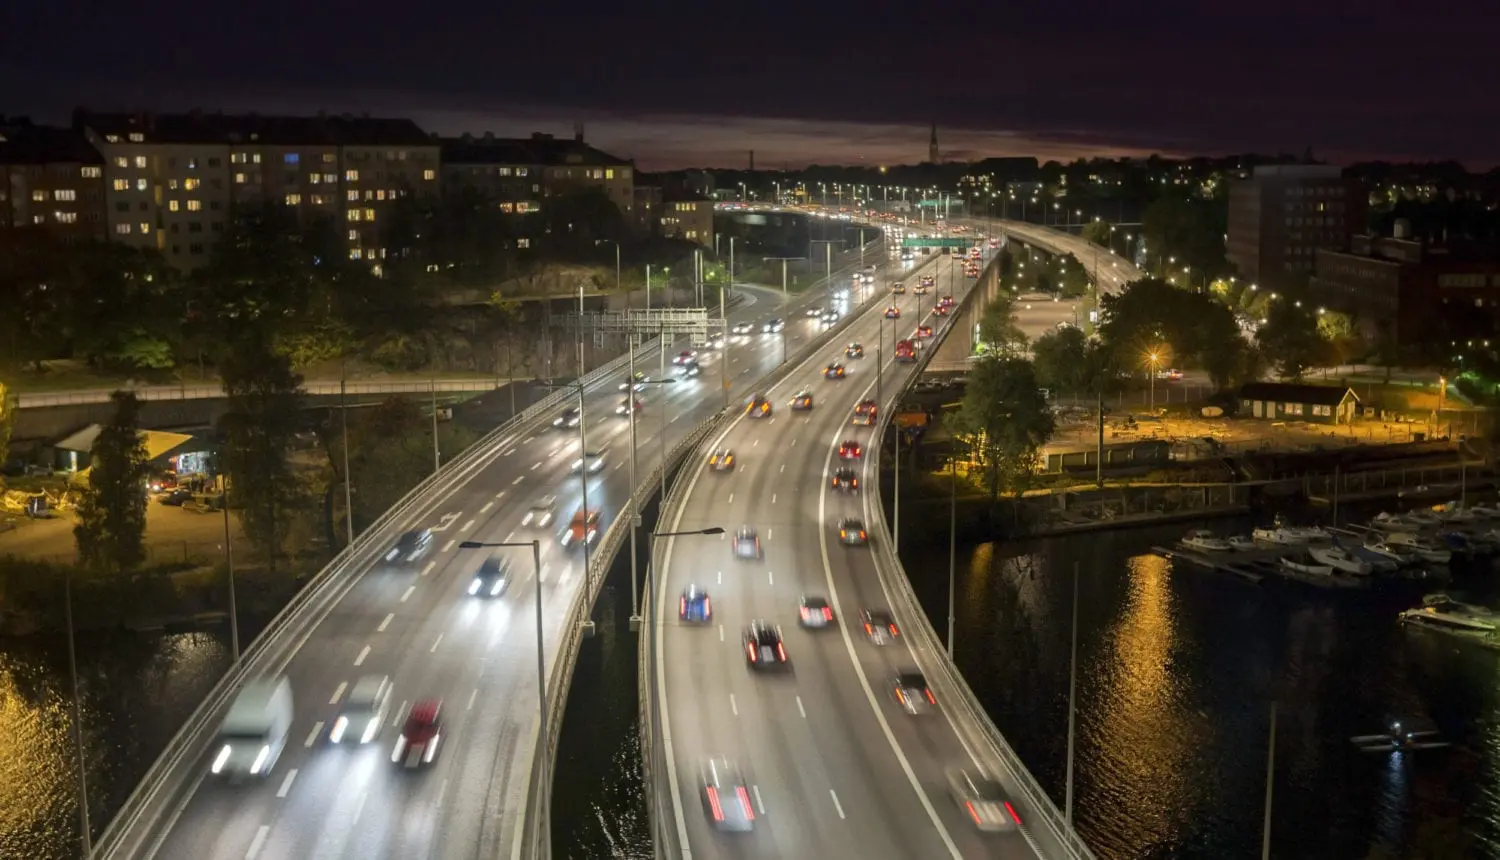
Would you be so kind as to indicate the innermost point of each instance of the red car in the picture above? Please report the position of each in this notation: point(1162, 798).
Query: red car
point(851, 450)
point(420, 734)
point(893, 313)
point(685, 356)
point(924, 330)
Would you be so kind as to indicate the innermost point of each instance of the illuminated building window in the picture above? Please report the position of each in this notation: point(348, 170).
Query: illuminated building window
point(140, 161)
point(290, 158)
point(429, 175)
point(66, 217)
point(351, 176)
point(121, 161)
point(330, 178)
point(354, 235)
point(237, 158)
point(38, 196)
point(353, 215)
point(239, 179)
point(523, 243)
point(355, 253)
point(190, 184)
point(195, 205)
point(137, 137)
point(65, 194)
point(293, 199)
point(145, 229)
point(92, 173)
point(171, 205)
point(140, 185)
point(369, 214)
point(122, 184)
point(327, 158)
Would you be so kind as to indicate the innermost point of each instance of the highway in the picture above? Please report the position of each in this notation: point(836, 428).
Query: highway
point(834, 766)
point(416, 623)
point(1114, 271)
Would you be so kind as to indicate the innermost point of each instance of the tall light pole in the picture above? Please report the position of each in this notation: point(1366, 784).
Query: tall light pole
point(1153, 358)
point(635, 517)
point(348, 489)
point(1265, 827)
point(234, 616)
point(1072, 703)
point(784, 261)
point(437, 457)
point(83, 781)
point(539, 833)
point(952, 547)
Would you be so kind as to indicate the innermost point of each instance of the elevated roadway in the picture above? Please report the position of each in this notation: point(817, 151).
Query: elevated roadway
point(833, 765)
point(416, 624)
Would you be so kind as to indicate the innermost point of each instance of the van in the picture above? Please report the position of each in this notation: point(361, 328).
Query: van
point(254, 732)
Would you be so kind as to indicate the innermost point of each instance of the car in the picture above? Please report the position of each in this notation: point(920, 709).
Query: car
point(854, 350)
point(685, 356)
point(844, 478)
point(492, 578)
point(742, 328)
point(721, 460)
point(569, 418)
point(1170, 375)
point(911, 691)
point(541, 512)
point(814, 311)
point(410, 546)
point(893, 313)
point(635, 382)
point(924, 330)
point(899, 288)
point(864, 413)
point(927, 282)
point(850, 449)
point(940, 310)
point(841, 294)
point(982, 798)
point(362, 711)
point(694, 606)
point(802, 401)
point(830, 317)
point(879, 625)
point(625, 406)
point(815, 612)
point(868, 278)
point(176, 498)
point(726, 796)
point(758, 407)
point(689, 369)
point(747, 544)
point(420, 734)
point(946, 301)
point(852, 532)
point(582, 529)
point(764, 648)
point(593, 461)
point(715, 341)
point(772, 326)
point(834, 371)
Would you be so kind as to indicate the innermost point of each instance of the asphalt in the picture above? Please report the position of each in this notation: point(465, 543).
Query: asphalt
point(416, 624)
point(835, 766)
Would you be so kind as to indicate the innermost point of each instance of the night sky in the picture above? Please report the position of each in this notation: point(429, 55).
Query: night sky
point(676, 84)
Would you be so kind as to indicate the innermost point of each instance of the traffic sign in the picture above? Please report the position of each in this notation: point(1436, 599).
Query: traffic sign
point(923, 242)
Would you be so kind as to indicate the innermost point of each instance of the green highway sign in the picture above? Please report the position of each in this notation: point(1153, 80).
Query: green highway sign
point(933, 204)
point(922, 242)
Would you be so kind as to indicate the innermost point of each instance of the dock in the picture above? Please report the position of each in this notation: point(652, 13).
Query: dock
point(1255, 565)
point(1219, 562)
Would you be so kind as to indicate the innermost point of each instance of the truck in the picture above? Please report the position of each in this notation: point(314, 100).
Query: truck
point(905, 351)
point(255, 730)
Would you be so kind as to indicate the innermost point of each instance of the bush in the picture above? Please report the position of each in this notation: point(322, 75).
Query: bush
point(401, 352)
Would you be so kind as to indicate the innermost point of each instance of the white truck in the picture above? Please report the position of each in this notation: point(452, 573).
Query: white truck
point(255, 729)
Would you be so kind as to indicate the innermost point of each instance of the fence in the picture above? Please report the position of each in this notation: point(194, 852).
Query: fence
point(1386, 481)
point(208, 392)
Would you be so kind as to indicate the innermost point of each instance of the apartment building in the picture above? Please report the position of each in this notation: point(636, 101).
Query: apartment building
point(51, 184)
point(520, 173)
point(685, 215)
point(173, 180)
point(1282, 214)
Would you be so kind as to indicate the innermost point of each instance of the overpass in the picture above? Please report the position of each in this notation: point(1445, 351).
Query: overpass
point(828, 762)
point(416, 624)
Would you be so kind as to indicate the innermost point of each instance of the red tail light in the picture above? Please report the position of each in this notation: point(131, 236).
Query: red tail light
point(708, 608)
point(863, 536)
point(805, 613)
point(869, 631)
point(827, 614)
point(745, 802)
point(1012, 810)
point(780, 652)
point(893, 630)
point(713, 803)
point(930, 699)
point(750, 649)
point(681, 606)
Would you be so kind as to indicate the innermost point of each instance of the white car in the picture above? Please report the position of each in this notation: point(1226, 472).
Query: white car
point(541, 512)
point(593, 461)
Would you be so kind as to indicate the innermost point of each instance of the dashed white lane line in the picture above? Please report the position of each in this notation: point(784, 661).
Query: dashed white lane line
point(439, 641)
point(731, 498)
point(519, 479)
point(468, 525)
point(771, 576)
point(836, 805)
point(768, 533)
point(472, 696)
point(801, 710)
point(500, 495)
point(449, 545)
point(794, 442)
point(258, 842)
point(721, 633)
point(721, 577)
point(312, 736)
point(486, 508)
point(407, 593)
point(286, 784)
point(363, 653)
point(386, 622)
point(756, 442)
point(760, 805)
point(773, 498)
point(536, 465)
point(783, 467)
point(338, 692)
point(733, 705)
point(399, 715)
point(426, 569)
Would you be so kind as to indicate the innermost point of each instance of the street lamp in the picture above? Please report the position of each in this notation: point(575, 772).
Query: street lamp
point(544, 772)
point(1153, 359)
point(635, 517)
point(651, 586)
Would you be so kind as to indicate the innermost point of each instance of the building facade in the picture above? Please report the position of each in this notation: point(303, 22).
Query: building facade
point(687, 216)
point(1291, 401)
point(519, 174)
point(1282, 214)
point(51, 184)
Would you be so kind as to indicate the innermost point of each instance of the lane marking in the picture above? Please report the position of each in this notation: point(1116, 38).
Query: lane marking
point(801, 710)
point(407, 593)
point(468, 525)
point(258, 842)
point(364, 652)
point(338, 692)
point(400, 715)
point(731, 498)
point(773, 498)
point(385, 623)
point(721, 633)
point(783, 467)
point(486, 508)
point(519, 479)
point(427, 569)
point(794, 441)
point(771, 576)
point(836, 805)
point(472, 696)
point(760, 805)
point(721, 577)
point(733, 705)
point(435, 645)
point(768, 533)
point(312, 736)
point(536, 465)
point(286, 784)
point(449, 545)
point(500, 495)
point(756, 442)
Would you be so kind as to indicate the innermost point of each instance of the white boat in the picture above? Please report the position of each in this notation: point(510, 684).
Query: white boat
point(1205, 541)
point(1400, 522)
point(1242, 543)
point(1455, 512)
point(1305, 564)
point(1340, 560)
point(1280, 536)
point(1402, 556)
point(1485, 512)
point(1445, 613)
point(1424, 549)
point(1378, 563)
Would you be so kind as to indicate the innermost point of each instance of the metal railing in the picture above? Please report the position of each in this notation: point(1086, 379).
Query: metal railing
point(209, 392)
point(312, 602)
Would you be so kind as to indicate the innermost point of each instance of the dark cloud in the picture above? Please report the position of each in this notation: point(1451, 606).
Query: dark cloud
point(1347, 78)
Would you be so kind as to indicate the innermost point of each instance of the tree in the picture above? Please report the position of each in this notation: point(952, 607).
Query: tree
point(390, 451)
point(1060, 359)
point(112, 511)
point(997, 326)
point(1290, 339)
point(1006, 421)
point(1191, 231)
point(1097, 232)
point(1195, 328)
point(263, 411)
point(7, 421)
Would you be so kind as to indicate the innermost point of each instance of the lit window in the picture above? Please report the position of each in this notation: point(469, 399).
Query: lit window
point(66, 217)
point(315, 178)
point(140, 161)
point(145, 228)
point(354, 235)
point(171, 205)
point(353, 214)
point(122, 184)
point(255, 159)
point(369, 214)
point(192, 164)
point(112, 138)
point(293, 199)
point(137, 137)
point(429, 175)
point(195, 205)
point(327, 158)
point(380, 195)
point(171, 185)
point(520, 171)
point(140, 185)
point(38, 196)
point(191, 184)
point(122, 229)
point(237, 158)
point(354, 254)
point(351, 176)
point(121, 161)
point(330, 178)
point(239, 179)
point(353, 195)
point(523, 243)
point(609, 173)
point(92, 173)
point(290, 158)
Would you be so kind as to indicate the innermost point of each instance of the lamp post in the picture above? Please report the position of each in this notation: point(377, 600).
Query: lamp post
point(543, 792)
point(952, 547)
point(1153, 358)
point(83, 782)
point(1072, 706)
point(635, 517)
point(583, 446)
point(784, 261)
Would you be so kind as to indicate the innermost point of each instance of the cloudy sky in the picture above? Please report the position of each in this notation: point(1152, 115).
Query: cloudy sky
point(833, 81)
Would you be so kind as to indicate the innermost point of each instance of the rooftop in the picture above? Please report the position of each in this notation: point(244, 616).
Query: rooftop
point(203, 127)
point(539, 149)
point(24, 143)
point(1297, 392)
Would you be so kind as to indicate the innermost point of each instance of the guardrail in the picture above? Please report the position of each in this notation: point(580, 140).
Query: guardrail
point(312, 600)
point(210, 392)
point(921, 636)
